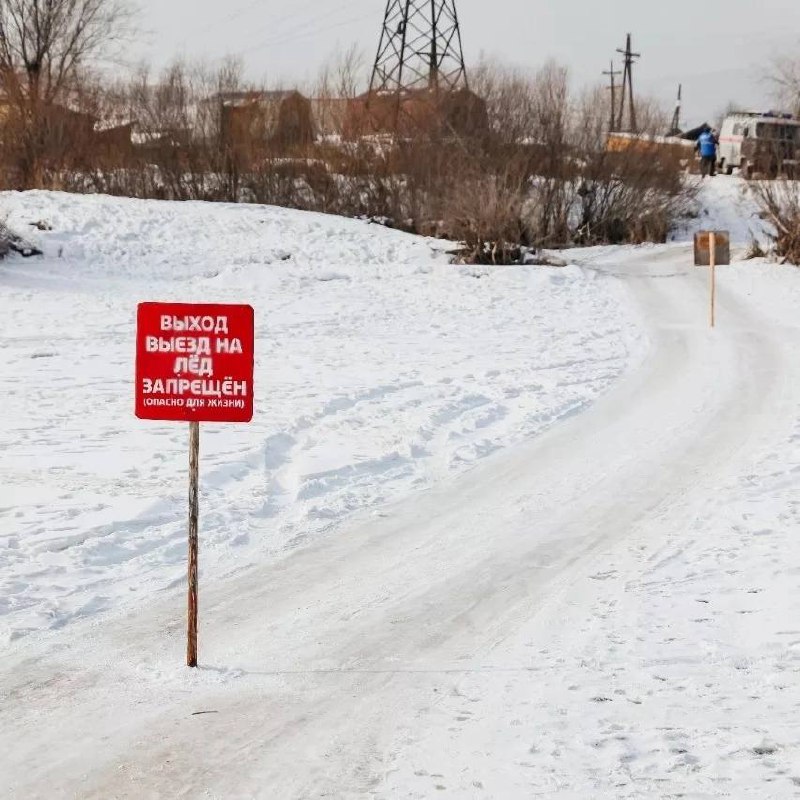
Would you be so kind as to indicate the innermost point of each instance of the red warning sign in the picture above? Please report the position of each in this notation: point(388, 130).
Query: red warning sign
point(194, 362)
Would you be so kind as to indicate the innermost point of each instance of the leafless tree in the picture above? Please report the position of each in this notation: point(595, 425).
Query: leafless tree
point(784, 79)
point(343, 77)
point(509, 96)
point(43, 46)
point(344, 74)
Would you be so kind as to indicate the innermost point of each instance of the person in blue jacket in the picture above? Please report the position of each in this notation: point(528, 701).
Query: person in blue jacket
point(707, 146)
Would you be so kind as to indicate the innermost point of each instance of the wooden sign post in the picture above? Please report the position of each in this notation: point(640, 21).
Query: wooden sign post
point(712, 249)
point(194, 519)
point(182, 352)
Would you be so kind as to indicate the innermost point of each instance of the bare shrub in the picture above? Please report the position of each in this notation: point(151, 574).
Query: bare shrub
point(509, 97)
point(780, 205)
point(632, 196)
point(755, 250)
point(573, 189)
point(484, 209)
point(177, 146)
point(541, 174)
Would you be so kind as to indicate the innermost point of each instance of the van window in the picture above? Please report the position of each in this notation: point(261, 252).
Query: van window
point(773, 132)
point(737, 129)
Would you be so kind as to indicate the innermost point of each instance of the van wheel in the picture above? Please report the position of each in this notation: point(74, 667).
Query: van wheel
point(728, 169)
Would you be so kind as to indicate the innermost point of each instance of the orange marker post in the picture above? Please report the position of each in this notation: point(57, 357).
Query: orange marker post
point(712, 246)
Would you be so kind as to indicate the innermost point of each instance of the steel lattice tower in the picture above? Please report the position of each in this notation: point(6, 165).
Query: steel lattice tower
point(420, 48)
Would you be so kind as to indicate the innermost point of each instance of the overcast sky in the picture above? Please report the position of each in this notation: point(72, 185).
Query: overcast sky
point(718, 49)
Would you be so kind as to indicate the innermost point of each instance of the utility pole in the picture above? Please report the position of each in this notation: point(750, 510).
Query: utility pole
point(627, 86)
point(613, 74)
point(676, 119)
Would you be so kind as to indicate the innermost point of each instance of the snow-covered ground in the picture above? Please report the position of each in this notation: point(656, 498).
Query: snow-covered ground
point(669, 664)
point(726, 204)
point(380, 370)
point(494, 534)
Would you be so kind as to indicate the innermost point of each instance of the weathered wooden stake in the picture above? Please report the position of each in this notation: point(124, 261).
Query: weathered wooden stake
point(194, 513)
point(712, 244)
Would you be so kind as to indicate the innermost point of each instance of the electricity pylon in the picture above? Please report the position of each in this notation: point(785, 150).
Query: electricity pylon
point(420, 48)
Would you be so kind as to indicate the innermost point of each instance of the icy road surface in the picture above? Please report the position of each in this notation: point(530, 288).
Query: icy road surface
point(607, 609)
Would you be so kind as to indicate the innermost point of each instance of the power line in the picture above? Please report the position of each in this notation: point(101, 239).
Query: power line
point(227, 18)
point(306, 31)
point(295, 15)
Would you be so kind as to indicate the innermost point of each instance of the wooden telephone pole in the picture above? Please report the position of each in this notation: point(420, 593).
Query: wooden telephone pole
point(627, 87)
point(613, 74)
point(676, 119)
